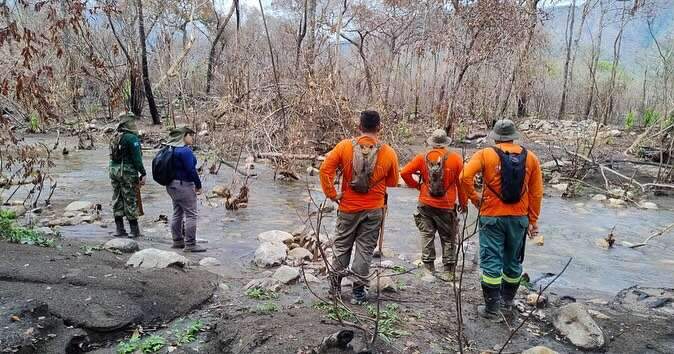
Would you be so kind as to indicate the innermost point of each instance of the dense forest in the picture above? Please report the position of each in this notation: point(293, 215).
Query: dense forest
point(269, 72)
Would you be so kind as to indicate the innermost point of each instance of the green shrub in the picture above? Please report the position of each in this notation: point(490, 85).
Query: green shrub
point(629, 120)
point(151, 344)
point(650, 117)
point(190, 333)
point(388, 321)
point(14, 233)
point(261, 294)
point(267, 308)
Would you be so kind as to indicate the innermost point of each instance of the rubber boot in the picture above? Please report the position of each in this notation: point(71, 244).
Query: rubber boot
point(135, 229)
point(194, 249)
point(508, 292)
point(429, 267)
point(491, 309)
point(119, 227)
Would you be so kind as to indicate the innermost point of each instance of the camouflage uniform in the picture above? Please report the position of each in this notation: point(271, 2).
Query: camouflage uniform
point(125, 173)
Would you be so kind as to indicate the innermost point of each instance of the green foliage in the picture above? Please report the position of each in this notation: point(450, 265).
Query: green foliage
point(399, 269)
point(267, 308)
point(190, 333)
point(334, 313)
point(126, 90)
point(34, 122)
point(261, 294)
point(88, 250)
point(629, 120)
point(388, 321)
point(151, 344)
point(604, 66)
point(650, 117)
point(14, 233)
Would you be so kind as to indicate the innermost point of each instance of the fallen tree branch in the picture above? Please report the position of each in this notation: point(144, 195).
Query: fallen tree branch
point(266, 155)
point(603, 168)
point(652, 236)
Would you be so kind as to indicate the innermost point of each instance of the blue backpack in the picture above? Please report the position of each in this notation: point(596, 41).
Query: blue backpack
point(513, 172)
point(163, 171)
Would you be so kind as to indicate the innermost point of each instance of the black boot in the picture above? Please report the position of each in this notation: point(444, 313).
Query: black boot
point(508, 292)
point(135, 230)
point(119, 227)
point(491, 309)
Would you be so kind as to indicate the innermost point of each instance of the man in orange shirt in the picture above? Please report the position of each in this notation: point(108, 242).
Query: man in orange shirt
point(509, 206)
point(368, 167)
point(438, 171)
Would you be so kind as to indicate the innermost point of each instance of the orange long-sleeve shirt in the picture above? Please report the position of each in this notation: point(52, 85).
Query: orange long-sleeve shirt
point(385, 174)
point(488, 162)
point(453, 167)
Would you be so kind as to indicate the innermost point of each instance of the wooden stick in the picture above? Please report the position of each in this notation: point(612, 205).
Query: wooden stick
point(656, 234)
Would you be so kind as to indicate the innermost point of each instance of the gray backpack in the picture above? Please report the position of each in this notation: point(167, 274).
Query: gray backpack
point(436, 176)
point(362, 166)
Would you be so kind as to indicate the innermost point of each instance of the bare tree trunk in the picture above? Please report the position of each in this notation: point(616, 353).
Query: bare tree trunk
point(570, 21)
point(214, 44)
point(532, 8)
point(594, 63)
point(135, 100)
point(301, 33)
point(146, 75)
point(617, 44)
point(310, 20)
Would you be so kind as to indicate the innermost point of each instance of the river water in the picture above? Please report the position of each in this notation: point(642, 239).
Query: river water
point(570, 228)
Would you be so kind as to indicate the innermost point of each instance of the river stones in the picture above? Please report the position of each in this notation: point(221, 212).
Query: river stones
point(154, 258)
point(79, 206)
point(274, 236)
point(300, 253)
point(575, 323)
point(210, 261)
point(539, 350)
point(286, 274)
point(124, 245)
point(271, 254)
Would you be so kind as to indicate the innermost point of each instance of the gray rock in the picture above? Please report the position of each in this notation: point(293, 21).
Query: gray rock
point(125, 245)
point(209, 261)
point(562, 187)
point(575, 323)
point(154, 258)
point(300, 254)
point(264, 283)
point(80, 206)
point(270, 254)
point(46, 231)
point(599, 197)
point(386, 284)
point(539, 350)
point(387, 264)
point(274, 236)
point(616, 203)
point(286, 275)
point(311, 278)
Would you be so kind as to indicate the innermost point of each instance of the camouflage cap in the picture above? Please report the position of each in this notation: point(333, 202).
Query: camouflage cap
point(177, 134)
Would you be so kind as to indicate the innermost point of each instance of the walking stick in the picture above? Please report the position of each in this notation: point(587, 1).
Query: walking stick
point(380, 242)
point(139, 201)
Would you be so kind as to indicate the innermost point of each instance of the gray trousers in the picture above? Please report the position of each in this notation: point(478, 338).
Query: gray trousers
point(361, 230)
point(184, 219)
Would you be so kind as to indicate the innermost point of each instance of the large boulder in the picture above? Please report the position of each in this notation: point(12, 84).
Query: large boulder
point(575, 323)
point(386, 284)
point(125, 245)
point(539, 350)
point(286, 275)
point(271, 254)
point(79, 206)
point(274, 236)
point(300, 253)
point(154, 258)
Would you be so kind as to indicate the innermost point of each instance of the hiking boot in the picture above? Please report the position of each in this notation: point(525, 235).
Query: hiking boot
point(119, 227)
point(491, 309)
point(359, 296)
point(194, 249)
point(135, 229)
point(179, 244)
point(449, 273)
point(376, 253)
point(429, 267)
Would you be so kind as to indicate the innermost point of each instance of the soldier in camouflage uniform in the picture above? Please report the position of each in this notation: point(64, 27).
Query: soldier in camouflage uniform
point(126, 174)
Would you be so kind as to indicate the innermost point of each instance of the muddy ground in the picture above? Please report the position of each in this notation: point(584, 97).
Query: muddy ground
point(77, 298)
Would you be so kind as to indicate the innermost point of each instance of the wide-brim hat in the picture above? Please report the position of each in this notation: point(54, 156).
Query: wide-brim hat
point(439, 138)
point(504, 130)
point(127, 122)
point(176, 136)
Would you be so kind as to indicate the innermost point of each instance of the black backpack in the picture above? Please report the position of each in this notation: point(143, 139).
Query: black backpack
point(513, 172)
point(163, 171)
